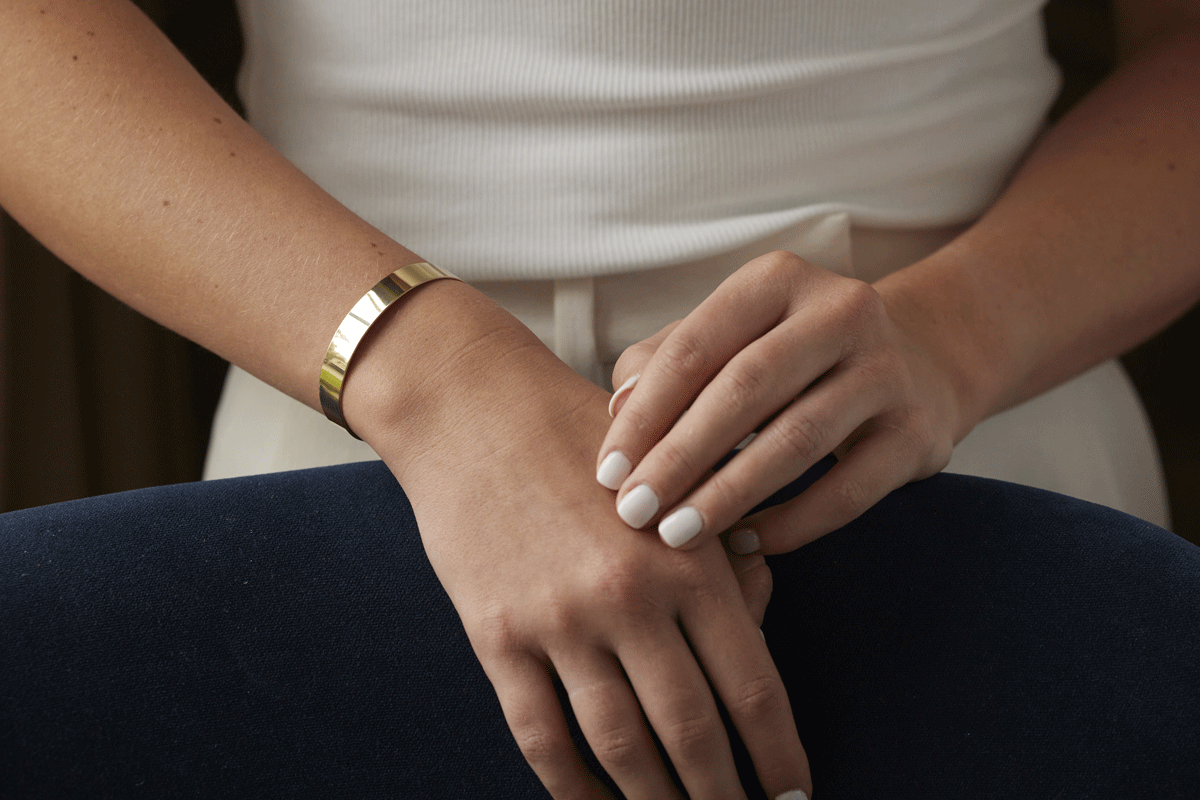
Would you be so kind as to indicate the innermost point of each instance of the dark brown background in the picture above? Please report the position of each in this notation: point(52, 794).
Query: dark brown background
point(95, 398)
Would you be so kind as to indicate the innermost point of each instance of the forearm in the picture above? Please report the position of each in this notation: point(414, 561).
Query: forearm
point(119, 157)
point(1093, 247)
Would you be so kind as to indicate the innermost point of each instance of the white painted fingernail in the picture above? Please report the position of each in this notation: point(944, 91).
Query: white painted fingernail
point(637, 507)
point(623, 389)
point(681, 527)
point(794, 794)
point(614, 469)
point(742, 444)
point(744, 541)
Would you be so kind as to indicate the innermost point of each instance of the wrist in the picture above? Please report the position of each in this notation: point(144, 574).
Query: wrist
point(944, 310)
point(445, 372)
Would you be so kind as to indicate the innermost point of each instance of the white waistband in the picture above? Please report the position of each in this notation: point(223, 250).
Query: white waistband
point(589, 322)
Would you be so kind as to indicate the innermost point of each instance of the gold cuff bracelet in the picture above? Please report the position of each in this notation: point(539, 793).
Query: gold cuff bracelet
point(354, 327)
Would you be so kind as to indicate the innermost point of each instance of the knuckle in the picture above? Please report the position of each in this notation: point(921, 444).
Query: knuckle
point(690, 739)
point(618, 748)
point(756, 698)
point(494, 632)
point(939, 457)
point(539, 745)
point(560, 616)
point(618, 587)
point(630, 360)
point(779, 272)
point(784, 261)
point(673, 460)
point(924, 435)
point(725, 494)
point(637, 418)
point(850, 499)
point(802, 437)
point(879, 370)
point(917, 433)
point(757, 581)
point(859, 306)
point(745, 382)
point(683, 354)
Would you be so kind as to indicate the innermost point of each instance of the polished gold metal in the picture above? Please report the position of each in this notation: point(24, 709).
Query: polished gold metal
point(354, 327)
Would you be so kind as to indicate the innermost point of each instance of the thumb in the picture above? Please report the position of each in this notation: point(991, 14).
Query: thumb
point(630, 364)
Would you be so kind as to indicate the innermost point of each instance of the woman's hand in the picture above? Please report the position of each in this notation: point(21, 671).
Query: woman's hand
point(813, 362)
point(549, 583)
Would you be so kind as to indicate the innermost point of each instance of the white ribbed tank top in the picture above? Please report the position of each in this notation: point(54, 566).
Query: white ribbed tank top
point(598, 165)
point(513, 139)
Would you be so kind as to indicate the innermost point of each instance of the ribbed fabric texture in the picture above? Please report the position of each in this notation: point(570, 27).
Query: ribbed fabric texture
point(561, 138)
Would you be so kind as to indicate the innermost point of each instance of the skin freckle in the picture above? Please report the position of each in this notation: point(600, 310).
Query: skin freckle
point(166, 203)
point(74, 58)
point(233, 155)
point(1171, 166)
point(217, 120)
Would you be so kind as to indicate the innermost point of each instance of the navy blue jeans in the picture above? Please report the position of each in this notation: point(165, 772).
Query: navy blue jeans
point(284, 636)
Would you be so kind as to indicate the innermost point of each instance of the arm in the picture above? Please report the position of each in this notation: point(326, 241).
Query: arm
point(1092, 248)
point(1095, 244)
point(116, 155)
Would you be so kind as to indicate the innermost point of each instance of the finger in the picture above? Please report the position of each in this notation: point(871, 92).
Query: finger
point(799, 436)
point(679, 705)
point(742, 672)
point(612, 721)
point(869, 471)
point(754, 579)
point(629, 366)
point(534, 716)
point(737, 313)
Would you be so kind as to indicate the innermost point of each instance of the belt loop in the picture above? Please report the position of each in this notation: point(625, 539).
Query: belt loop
point(575, 326)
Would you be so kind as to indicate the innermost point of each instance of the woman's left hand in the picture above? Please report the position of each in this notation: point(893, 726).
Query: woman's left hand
point(815, 363)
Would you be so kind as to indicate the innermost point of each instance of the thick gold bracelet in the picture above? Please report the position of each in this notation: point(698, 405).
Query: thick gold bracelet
point(354, 327)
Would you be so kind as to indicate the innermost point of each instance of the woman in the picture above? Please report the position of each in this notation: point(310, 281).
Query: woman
point(184, 212)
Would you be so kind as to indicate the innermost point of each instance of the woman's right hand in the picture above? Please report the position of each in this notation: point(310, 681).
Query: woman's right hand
point(549, 583)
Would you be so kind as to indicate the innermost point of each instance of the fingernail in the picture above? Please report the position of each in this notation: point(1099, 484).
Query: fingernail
point(681, 527)
point(622, 390)
point(742, 444)
point(744, 541)
point(637, 507)
point(794, 794)
point(614, 469)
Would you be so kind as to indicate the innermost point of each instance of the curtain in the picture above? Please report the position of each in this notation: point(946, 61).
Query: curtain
point(95, 398)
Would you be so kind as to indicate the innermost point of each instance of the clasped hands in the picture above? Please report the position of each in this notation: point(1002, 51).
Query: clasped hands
point(551, 583)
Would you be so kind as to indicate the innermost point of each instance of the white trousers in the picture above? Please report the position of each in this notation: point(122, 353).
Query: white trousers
point(1088, 438)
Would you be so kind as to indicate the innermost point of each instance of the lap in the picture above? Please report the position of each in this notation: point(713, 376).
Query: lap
point(284, 634)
